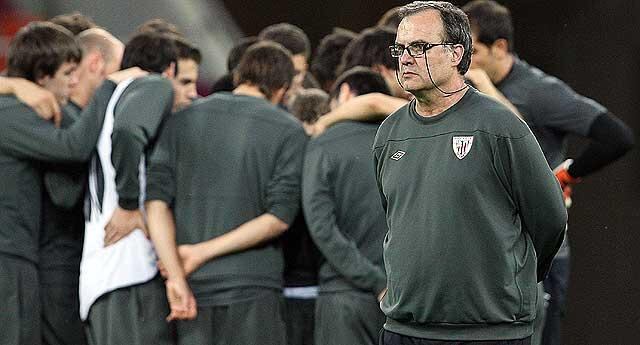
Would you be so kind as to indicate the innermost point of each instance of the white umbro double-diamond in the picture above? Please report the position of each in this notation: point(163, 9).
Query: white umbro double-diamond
point(397, 155)
point(462, 146)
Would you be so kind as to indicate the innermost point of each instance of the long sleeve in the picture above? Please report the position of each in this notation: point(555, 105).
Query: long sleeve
point(25, 135)
point(537, 196)
point(138, 116)
point(161, 178)
point(319, 208)
point(283, 189)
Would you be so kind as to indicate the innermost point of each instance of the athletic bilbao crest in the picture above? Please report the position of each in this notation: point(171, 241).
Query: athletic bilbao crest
point(462, 146)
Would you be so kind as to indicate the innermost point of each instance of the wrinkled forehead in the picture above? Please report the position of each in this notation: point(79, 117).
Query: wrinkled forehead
point(425, 26)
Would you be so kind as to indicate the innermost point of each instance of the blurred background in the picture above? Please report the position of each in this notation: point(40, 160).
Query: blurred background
point(594, 46)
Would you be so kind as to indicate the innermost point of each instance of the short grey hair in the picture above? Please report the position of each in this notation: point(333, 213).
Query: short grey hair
point(455, 23)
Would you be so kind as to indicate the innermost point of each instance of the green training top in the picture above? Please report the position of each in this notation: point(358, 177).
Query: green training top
point(474, 212)
point(139, 114)
point(62, 231)
point(223, 161)
point(342, 208)
point(26, 140)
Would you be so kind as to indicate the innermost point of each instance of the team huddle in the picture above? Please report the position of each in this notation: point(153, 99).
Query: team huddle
point(397, 189)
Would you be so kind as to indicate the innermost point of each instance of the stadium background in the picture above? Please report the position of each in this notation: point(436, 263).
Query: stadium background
point(592, 45)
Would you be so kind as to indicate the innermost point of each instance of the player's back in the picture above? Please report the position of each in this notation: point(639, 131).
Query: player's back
point(234, 160)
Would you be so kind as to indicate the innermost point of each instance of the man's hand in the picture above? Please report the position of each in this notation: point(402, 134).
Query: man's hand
point(132, 72)
point(566, 180)
point(181, 300)
point(41, 100)
point(122, 223)
point(480, 79)
point(317, 128)
point(190, 257)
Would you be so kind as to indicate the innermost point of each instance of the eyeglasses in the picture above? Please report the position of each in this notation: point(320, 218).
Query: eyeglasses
point(414, 49)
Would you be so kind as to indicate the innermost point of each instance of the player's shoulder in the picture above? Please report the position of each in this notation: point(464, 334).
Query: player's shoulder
point(395, 119)
point(10, 105)
point(485, 114)
point(346, 131)
point(150, 82)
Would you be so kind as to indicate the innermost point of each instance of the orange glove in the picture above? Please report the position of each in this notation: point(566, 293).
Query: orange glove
point(566, 180)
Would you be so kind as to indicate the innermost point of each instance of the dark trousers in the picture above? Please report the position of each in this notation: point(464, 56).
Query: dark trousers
point(556, 284)
point(390, 338)
point(299, 317)
point(19, 293)
point(257, 321)
point(133, 315)
point(347, 317)
point(61, 323)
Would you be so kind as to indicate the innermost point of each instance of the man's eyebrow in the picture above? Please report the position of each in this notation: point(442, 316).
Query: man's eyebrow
point(412, 42)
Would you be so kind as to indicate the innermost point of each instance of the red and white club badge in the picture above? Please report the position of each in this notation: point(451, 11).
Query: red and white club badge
point(462, 146)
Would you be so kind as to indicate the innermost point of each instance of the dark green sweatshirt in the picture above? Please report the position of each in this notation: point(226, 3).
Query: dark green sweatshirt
point(472, 225)
point(223, 161)
point(342, 208)
point(26, 141)
point(139, 113)
point(62, 232)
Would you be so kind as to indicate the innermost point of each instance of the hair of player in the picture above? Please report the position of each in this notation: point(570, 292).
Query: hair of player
point(289, 36)
point(309, 104)
point(150, 51)
point(238, 50)
point(75, 22)
point(370, 48)
point(490, 21)
point(361, 80)
point(325, 63)
point(95, 39)
point(266, 65)
point(39, 49)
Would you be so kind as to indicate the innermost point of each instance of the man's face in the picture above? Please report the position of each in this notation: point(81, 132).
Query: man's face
point(423, 27)
point(184, 84)
point(62, 82)
point(482, 56)
point(300, 63)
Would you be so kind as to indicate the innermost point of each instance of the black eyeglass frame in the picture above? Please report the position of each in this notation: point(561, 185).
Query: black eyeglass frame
point(393, 49)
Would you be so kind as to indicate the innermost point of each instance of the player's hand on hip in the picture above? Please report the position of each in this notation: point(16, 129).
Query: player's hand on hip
point(181, 300)
point(121, 224)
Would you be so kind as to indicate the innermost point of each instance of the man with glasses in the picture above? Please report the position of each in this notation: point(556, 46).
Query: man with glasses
point(475, 215)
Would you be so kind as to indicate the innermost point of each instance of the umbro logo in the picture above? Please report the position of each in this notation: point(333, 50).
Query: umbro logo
point(397, 155)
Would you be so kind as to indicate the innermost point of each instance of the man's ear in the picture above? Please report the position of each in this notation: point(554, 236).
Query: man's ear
point(278, 95)
point(42, 81)
point(95, 62)
point(170, 72)
point(457, 52)
point(345, 93)
point(500, 48)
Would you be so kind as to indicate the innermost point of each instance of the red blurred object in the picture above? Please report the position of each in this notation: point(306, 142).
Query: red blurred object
point(11, 20)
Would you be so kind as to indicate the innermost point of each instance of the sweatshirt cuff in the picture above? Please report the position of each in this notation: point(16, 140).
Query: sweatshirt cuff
point(128, 204)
